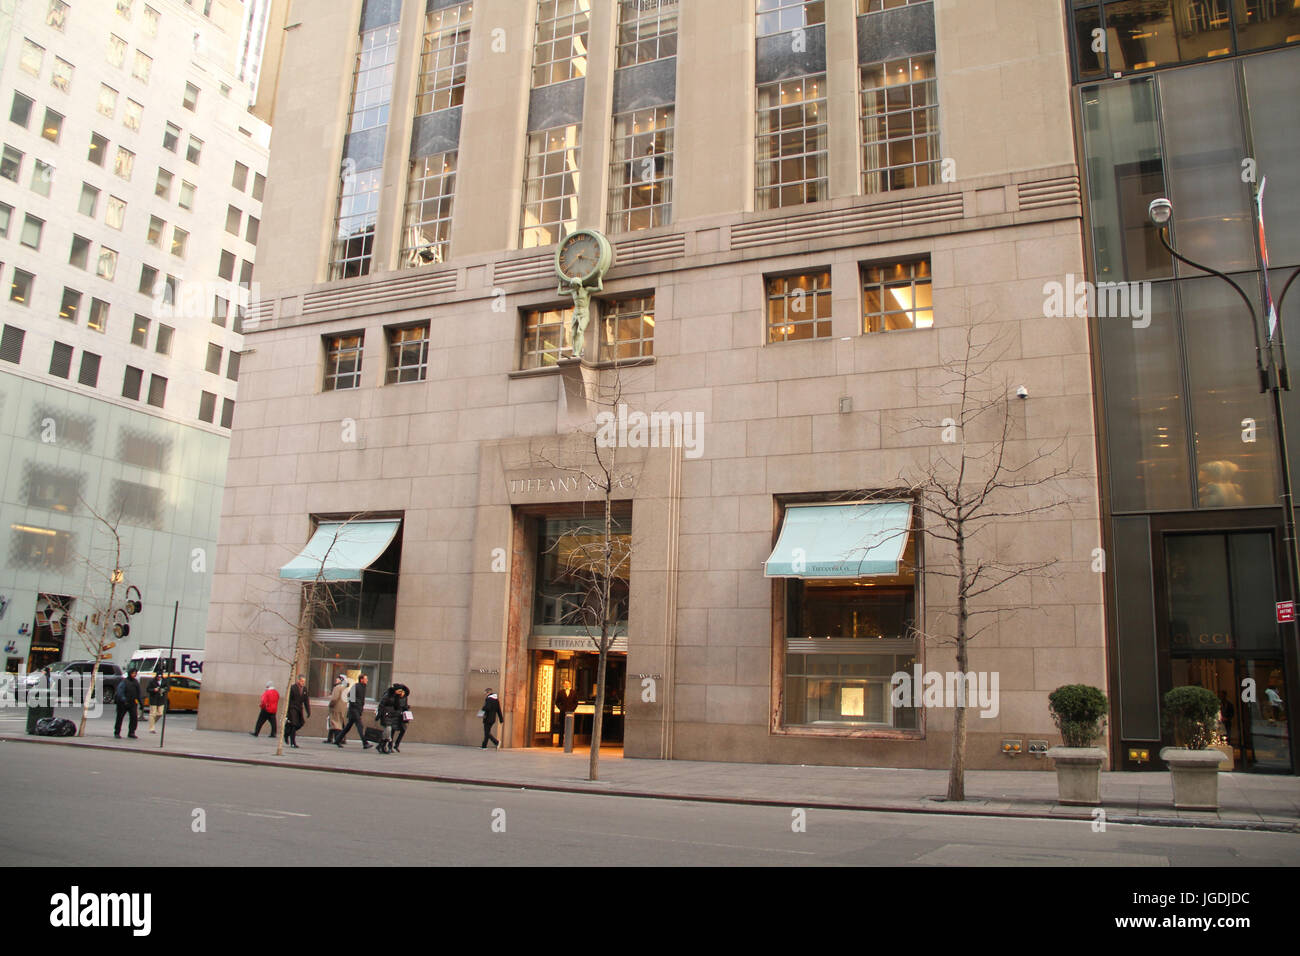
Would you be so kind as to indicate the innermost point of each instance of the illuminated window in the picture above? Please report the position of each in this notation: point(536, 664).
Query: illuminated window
point(547, 338)
point(98, 319)
point(900, 124)
point(627, 328)
point(31, 57)
point(52, 128)
point(550, 185)
point(799, 306)
point(641, 170)
point(106, 264)
point(897, 296)
point(354, 235)
point(98, 147)
point(791, 148)
point(343, 361)
point(408, 354)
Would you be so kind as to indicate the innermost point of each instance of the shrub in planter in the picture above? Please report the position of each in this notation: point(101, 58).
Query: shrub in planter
point(1192, 714)
point(1078, 711)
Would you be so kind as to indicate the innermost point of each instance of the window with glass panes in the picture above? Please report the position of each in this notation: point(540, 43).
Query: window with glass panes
point(783, 16)
point(551, 185)
point(31, 57)
point(107, 103)
point(132, 115)
point(799, 306)
point(547, 337)
point(791, 149)
point(343, 361)
point(61, 75)
point(560, 41)
point(627, 328)
point(647, 31)
point(443, 58)
point(408, 354)
point(900, 124)
point(430, 191)
point(641, 170)
point(372, 79)
point(57, 15)
point(897, 295)
point(354, 236)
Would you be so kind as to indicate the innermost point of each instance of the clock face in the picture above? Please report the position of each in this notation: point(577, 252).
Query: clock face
point(579, 256)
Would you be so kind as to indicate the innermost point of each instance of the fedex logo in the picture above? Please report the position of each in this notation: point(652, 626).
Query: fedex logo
point(191, 665)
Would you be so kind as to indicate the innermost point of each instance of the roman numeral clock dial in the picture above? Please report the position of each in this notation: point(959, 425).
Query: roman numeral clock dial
point(581, 262)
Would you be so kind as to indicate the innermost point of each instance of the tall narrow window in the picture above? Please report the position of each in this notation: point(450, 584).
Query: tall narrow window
point(31, 57)
point(560, 41)
point(98, 318)
point(143, 66)
point(124, 163)
point(61, 360)
point(646, 31)
point(89, 374)
point(431, 190)
point(791, 148)
point(157, 391)
point(116, 50)
point(443, 58)
point(551, 185)
point(89, 201)
point(107, 103)
point(131, 381)
point(61, 75)
point(52, 128)
point(57, 16)
point(71, 303)
point(98, 148)
point(900, 124)
point(641, 170)
point(372, 89)
point(132, 115)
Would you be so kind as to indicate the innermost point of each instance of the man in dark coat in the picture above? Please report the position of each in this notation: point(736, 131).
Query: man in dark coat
point(356, 708)
point(491, 714)
point(157, 690)
point(567, 700)
point(392, 717)
point(127, 697)
point(299, 710)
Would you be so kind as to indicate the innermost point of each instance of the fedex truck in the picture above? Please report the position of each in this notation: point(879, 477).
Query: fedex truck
point(187, 661)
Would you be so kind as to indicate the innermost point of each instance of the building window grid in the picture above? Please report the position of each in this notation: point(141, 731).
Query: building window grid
point(560, 41)
point(799, 306)
point(641, 170)
point(343, 355)
point(372, 79)
point(551, 175)
point(792, 151)
point(900, 124)
point(783, 16)
point(408, 355)
point(627, 328)
point(646, 31)
point(431, 191)
point(897, 296)
point(443, 58)
point(547, 337)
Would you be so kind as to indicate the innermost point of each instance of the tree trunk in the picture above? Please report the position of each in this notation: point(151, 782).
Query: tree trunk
point(99, 649)
point(593, 769)
point(957, 762)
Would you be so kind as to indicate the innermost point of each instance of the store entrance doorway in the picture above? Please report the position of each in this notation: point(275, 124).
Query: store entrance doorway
point(551, 670)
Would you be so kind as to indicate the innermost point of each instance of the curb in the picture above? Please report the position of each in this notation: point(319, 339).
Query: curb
point(1080, 816)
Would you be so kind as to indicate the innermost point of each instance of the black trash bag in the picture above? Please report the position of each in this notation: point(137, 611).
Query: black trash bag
point(55, 727)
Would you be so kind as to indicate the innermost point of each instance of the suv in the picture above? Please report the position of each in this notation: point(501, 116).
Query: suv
point(111, 673)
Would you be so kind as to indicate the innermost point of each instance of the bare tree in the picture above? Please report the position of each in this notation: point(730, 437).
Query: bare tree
point(981, 473)
point(318, 602)
point(105, 579)
point(597, 554)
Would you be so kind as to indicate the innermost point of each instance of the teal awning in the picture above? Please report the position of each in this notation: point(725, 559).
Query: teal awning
point(340, 551)
point(841, 541)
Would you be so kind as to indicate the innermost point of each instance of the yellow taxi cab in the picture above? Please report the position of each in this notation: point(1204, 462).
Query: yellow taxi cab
point(182, 692)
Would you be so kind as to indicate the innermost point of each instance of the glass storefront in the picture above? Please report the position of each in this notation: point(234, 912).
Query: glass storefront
point(565, 680)
point(1223, 636)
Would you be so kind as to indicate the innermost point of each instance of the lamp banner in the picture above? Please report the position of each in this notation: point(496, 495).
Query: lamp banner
point(1270, 309)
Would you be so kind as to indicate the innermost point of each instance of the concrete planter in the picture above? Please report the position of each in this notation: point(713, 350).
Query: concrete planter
point(1195, 774)
point(1078, 775)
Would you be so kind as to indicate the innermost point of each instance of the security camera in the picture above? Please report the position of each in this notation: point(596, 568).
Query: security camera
point(1160, 211)
point(426, 254)
point(1022, 392)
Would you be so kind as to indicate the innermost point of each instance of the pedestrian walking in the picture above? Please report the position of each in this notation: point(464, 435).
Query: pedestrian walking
point(127, 697)
point(157, 691)
point(356, 709)
point(338, 708)
point(393, 714)
point(299, 710)
point(269, 702)
point(491, 712)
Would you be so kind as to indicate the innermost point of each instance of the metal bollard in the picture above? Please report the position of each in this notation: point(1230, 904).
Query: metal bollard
point(568, 733)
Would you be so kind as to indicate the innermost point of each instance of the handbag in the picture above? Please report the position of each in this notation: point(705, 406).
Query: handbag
point(373, 735)
point(407, 716)
point(479, 715)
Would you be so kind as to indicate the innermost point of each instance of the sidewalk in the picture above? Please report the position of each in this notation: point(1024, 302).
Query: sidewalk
point(1247, 801)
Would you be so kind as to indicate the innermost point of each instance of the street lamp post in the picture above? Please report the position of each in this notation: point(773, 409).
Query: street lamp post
point(1274, 377)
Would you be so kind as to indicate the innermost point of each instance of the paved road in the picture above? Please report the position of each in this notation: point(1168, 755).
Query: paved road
point(68, 806)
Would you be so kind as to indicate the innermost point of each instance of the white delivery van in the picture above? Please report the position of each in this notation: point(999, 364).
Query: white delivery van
point(186, 661)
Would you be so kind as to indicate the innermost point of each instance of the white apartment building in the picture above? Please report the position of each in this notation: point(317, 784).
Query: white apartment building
point(131, 189)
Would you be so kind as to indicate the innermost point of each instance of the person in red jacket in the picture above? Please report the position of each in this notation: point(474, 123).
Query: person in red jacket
point(270, 701)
